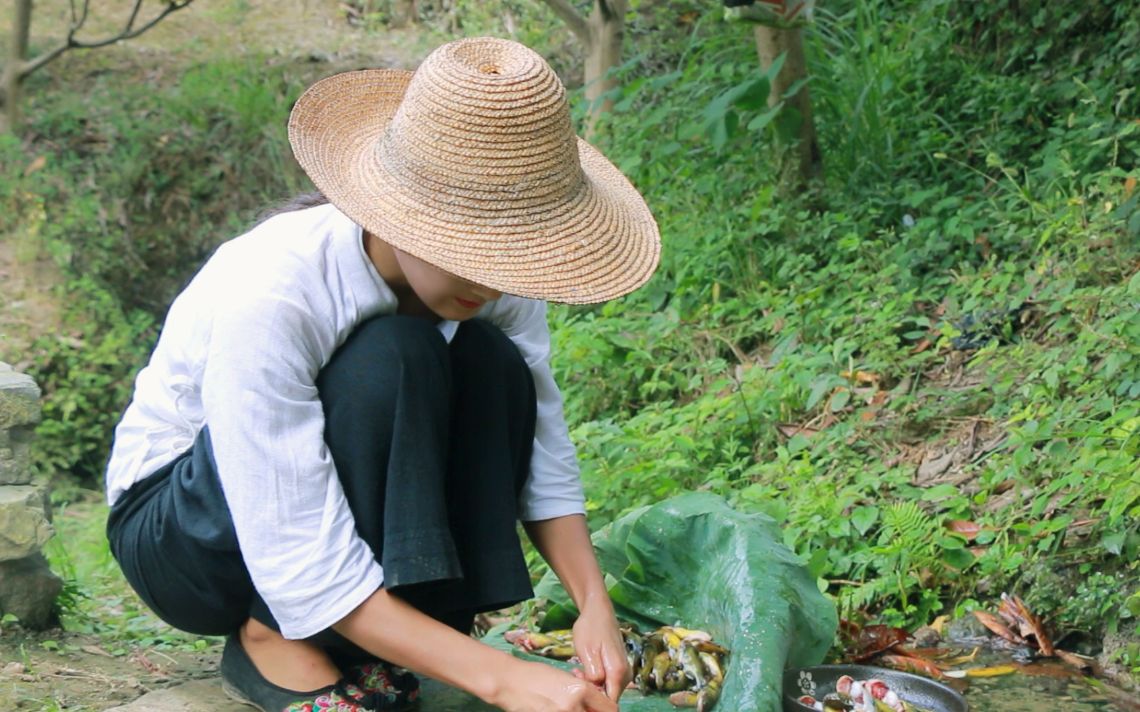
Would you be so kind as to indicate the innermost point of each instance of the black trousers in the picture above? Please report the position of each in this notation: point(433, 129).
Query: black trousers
point(432, 445)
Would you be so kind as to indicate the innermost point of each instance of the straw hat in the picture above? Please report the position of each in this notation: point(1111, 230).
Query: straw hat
point(471, 164)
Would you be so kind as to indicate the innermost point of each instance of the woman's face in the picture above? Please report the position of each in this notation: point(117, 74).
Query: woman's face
point(446, 295)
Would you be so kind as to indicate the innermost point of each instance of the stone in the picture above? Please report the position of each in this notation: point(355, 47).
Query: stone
point(25, 525)
point(28, 590)
point(196, 696)
point(15, 467)
point(19, 400)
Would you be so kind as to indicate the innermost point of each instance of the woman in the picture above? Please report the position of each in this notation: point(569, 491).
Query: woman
point(351, 405)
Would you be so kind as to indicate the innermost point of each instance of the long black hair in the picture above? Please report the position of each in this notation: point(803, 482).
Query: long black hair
point(298, 202)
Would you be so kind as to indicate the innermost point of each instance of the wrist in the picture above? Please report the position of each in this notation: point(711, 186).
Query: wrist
point(492, 684)
point(596, 602)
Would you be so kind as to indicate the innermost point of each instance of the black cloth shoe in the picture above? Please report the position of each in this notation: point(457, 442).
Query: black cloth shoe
point(242, 682)
point(386, 686)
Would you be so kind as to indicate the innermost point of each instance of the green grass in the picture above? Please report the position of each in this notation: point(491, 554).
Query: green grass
point(97, 599)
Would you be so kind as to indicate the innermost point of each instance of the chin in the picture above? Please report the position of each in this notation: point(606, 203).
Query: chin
point(454, 314)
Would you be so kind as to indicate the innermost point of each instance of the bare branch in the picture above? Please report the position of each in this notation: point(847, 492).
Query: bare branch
point(573, 19)
point(129, 32)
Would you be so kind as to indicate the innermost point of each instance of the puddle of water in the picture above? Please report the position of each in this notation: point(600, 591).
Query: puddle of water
point(1019, 693)
point(1023, 691)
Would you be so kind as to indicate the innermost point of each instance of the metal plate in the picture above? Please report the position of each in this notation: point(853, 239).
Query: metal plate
point(915, 689)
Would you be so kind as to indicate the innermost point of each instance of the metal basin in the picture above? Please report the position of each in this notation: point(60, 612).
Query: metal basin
point(820, 680)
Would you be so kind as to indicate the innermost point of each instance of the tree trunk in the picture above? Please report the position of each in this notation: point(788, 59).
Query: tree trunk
point(404, 13)
point(606, 26)
point(601, 35)
point(13, 76)
point(803, 161)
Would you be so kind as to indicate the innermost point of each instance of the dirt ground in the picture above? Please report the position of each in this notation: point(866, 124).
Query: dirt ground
point(57, 670)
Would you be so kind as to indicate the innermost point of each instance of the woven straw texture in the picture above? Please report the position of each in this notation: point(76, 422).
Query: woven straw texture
point(471, 163)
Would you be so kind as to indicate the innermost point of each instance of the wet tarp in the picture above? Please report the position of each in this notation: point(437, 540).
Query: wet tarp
point(694, 560)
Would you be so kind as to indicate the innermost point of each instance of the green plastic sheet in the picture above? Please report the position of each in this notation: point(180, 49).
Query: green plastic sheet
point(696, 561)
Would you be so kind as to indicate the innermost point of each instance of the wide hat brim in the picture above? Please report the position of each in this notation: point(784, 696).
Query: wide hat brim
point(598, 242)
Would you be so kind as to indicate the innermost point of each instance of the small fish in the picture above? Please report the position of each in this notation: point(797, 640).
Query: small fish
point(692, 634)
point(662, 663)
point(712, 665)
point(691, 663)
point(708, 695)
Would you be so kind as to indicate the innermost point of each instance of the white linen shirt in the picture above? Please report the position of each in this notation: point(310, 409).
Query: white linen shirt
point(240, 351)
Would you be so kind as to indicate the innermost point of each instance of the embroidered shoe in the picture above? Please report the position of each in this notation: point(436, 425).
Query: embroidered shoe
point(388, 687)
point(242, 682)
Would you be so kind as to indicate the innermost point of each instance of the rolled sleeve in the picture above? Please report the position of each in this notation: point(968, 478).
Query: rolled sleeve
point(293, 523)
point(554, 488)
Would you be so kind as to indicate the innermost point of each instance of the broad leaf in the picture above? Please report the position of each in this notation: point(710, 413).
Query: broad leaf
point(693, 560)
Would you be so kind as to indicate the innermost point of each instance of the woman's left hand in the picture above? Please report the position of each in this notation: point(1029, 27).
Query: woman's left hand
point(601, 649)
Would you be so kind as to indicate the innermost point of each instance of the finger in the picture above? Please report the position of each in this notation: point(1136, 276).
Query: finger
point(596, 701)
point(592, 665)
point(617, 677)
point(614, 688)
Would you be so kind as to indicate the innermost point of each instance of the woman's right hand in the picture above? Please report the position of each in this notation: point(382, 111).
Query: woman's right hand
point(537, 687)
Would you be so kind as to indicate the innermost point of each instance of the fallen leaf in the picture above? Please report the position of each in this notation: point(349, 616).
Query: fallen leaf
point(983, 242)
point(1129, 186)
point(37, 164)
point(938, 623)
point(932, 466)
point(874, 639)
point(1015, 612)
point(1080, 662)
point(997, 627)
point(967, 529)
point(907, 663)
point(96, 650)
point(963, 658)
point(995, 671)
point(790, 430)
point(921, 346)
point(861, 377)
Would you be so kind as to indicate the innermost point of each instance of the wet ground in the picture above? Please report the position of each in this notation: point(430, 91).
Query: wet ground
point(1040, 686)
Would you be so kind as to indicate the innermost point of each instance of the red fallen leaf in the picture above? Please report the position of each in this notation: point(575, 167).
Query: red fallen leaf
point(907, 663)
point(874, 639)
point(922, 346)
point(967, 529)
point(1015, 612)
point(924, 653)
point(998, 628)
point(849, 628)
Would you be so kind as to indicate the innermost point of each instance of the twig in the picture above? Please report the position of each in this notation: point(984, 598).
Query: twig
point(129, 32)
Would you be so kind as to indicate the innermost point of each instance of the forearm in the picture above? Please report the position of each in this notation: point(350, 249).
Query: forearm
point(565, 544)
point(393, 630)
